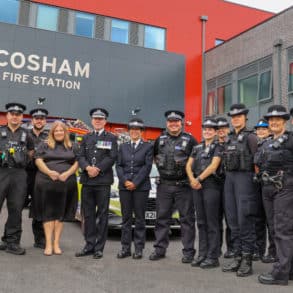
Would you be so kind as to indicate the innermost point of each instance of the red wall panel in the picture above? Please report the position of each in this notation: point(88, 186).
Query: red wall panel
point(182, 21)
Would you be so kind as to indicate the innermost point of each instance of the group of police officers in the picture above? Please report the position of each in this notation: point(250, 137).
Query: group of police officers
point(242, 176)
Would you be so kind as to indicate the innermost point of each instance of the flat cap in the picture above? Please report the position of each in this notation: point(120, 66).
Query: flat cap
point(174, 115)
point(99, 113)
point(15, 107)
point(39, 112)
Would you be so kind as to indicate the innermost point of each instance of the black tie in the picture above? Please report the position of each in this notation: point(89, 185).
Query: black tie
point(133, 146)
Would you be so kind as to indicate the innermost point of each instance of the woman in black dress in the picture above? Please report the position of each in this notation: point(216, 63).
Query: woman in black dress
point(55, 185)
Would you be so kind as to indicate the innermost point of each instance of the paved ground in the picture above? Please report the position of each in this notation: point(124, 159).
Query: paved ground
point(37, 273)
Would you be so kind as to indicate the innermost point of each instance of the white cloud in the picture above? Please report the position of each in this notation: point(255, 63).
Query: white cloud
point(269, 5)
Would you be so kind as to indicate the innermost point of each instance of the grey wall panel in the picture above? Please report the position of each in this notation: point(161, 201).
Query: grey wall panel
point(121, 77)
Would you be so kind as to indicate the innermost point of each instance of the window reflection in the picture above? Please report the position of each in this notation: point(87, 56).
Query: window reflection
point(154, 38)
point(47, 18)
point(9, 11)
point(84, 24)
point(119, 31)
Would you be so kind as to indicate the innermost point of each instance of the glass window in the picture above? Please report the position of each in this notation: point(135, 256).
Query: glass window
point(84, 24)
point(224, 95)
point(218, 42)
point(47, 17)
point(247, 91)
point(290, 83)
point(264, 85)
point(9, 11)
point(154, 37)
point(119, 31)
point(210, 106)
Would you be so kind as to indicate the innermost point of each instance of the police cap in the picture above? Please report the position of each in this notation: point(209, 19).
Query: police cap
point(210, 123)
point(237, 109)
point(174, 115)
point(262, 123)
point(39, 112)
point(277, 111)
point(15, 107)
point(99, 113)
point(222, 122)
point(136, 123)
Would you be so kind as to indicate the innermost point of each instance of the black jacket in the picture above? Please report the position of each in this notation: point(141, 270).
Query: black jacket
point(100, 151)
point(135, 165)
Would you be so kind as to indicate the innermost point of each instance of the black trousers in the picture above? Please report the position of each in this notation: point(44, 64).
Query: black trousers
point(207, 205)
point(133, 202)
point(260, 224)
point(240, 208)
point(37, 226)
point(222, 218)
point(95, 207)
point(167, 195)
point(13, 189)
point(279, 210)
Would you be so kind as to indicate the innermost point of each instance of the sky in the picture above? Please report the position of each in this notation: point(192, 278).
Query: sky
point(268, 5)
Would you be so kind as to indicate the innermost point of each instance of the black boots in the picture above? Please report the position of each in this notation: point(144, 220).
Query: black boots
point(232, 266)
point(245, 268)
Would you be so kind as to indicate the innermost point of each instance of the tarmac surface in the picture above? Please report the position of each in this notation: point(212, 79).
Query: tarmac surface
point(36, 273)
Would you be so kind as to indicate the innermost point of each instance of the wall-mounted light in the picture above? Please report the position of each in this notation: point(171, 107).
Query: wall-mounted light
point(135, 111)
point(41, 101)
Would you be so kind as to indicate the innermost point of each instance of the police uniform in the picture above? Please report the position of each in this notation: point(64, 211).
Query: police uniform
point(223, 122)
point(240, 194)
point(207, 201)
point(97, 149)
point(37, 226)
point(171, 154)
point(276, 161)
point(260, 219)
point(14, 147)
point(134, 164)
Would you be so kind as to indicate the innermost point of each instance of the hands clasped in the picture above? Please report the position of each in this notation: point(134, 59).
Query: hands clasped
point(54, 175)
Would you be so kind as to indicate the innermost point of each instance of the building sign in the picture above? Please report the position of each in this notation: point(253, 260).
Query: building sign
point(44, 71)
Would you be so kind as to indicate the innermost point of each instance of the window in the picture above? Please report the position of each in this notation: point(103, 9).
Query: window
point(119, 31)
point(154, 37)
point(247, 91)
point(218, 42)
point(9, 11)
point(210, 106)
point(47, 18)
point(264, 85)
point(290, 83)
point(84, 24)
point(224, 95)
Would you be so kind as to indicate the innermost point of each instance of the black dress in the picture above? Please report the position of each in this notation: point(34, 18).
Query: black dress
point(55, 200)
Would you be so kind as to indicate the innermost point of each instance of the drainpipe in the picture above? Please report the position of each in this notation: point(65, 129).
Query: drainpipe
point(203, 19)
point(278, 45)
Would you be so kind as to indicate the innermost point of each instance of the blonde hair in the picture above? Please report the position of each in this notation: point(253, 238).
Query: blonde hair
point(51, 139)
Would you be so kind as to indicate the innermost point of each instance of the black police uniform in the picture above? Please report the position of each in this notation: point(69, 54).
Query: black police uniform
point(261, 218)
point(98, 150)
point(14, 147)
point(276, 163)
point(134, 164)
point(240, 196)
point(171, 154)
point(207, 201)
point(31, 169)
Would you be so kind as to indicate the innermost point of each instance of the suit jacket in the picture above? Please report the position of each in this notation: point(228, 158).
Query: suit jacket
point(100, 151)
point(135, 165)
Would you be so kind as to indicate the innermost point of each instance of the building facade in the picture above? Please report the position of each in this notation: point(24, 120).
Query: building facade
point(254, 67)
point(164, 30)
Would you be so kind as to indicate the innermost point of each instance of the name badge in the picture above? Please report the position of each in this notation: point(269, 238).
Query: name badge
point(104, 145)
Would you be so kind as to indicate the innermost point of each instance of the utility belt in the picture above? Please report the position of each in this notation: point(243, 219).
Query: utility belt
point(183, 182)
point(276, 180)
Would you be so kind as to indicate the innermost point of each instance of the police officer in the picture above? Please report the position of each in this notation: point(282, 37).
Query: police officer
point(202, 169)
point(262, 132)
point(240, 191)
point(171, 151)
point(276, 161)
point(15, 147)
point(223, 132)
point(134, 164)
point(38, 134)
point(98, 152)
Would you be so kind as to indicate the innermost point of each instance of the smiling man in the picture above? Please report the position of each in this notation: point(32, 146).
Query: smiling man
point(171, 151)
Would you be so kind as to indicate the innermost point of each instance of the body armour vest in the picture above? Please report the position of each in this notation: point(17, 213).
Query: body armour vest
point(203, 156)
point(172, 156)
point(237, 155)
point(13, 151)
point(277, 155)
